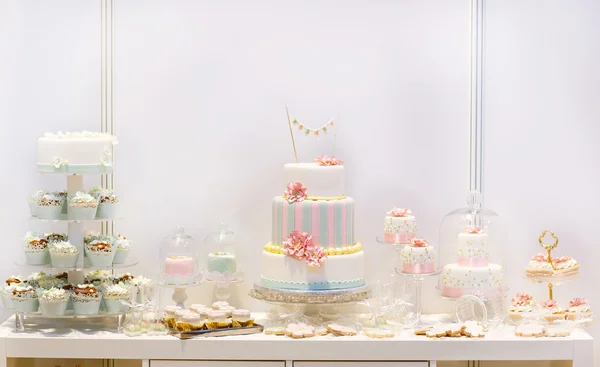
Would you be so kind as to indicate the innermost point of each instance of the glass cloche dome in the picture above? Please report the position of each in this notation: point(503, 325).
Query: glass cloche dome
point(221, 262)
point(178, 259)
point(472, 242)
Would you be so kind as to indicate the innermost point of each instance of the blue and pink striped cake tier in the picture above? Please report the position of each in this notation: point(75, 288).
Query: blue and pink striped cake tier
point(330, 222)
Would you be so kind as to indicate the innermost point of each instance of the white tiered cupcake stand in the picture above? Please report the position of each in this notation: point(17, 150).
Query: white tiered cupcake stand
point(76, 274)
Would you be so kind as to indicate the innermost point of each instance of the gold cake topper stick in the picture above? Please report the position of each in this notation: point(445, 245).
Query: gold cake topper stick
point(291, 132)
point(549, 248)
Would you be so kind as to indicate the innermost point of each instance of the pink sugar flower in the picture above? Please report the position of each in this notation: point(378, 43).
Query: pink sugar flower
point(540, 257)
point(324, 160)
point(296, 244)
point(562, 259)
point(522, 299)
point(419, 242)
point(549, 304)
point(473, 230)
point(295, 192)
point(578, 302)
point(398, 212)
point(315, 257)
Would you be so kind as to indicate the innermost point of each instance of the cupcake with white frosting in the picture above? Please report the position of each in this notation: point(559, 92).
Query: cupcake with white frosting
point(241, 318)
point(196, 306)
point(24, 299)
point(36, 249)
point(116, 297)
point(108, 204)
point(121, 245)
point(63, 255)
point(33, 199)
point(62, 194)
point(49, 206)
point(54, 301)
point(190, 321)
point(97, 277)
point(83, 206)
point(89, 236)
point(217, 319)
point(219, 304)
point(5, 292)
point(579, 308)
point(100, 253)
point(86, 299)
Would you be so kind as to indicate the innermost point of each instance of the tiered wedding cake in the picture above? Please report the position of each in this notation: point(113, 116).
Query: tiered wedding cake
point(472, 272)
point(312, 243)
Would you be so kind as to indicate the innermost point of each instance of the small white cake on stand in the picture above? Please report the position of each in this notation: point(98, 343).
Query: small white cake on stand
point(222, 267)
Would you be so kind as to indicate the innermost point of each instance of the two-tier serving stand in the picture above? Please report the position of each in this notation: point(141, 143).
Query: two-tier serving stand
point(76, 235)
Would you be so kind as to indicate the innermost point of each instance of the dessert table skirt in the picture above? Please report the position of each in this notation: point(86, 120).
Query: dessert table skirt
point(500, 345)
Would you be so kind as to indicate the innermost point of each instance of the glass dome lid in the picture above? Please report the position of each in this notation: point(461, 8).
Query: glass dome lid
point(222, 249)
point(471, 241)
point(178, 257)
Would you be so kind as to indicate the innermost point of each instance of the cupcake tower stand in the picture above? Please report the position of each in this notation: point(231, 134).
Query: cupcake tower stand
point(551, 280)
point(76, 275)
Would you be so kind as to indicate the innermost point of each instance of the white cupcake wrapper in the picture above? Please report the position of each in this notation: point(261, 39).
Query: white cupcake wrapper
point(81, 213)
point(63, 261)
point(37, 258)
point(120, 256)
point(48, 212)
point(100, 259)
point(108, 210)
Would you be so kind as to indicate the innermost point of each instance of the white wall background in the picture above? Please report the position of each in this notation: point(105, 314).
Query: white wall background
point(540, 139)
point(201, 88)
point(49, 81)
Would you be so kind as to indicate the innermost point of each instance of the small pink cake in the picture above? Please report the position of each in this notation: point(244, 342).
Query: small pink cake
point(399, 226)
point(179, 266)
point(418, 257)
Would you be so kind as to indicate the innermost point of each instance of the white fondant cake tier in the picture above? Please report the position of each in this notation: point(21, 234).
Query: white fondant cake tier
point(337, 272)
point(73, 150)
point(418, 255)
point(472, 249)
point(323, 182)
point(399, 229)
point(457, 280)
point(330, 222)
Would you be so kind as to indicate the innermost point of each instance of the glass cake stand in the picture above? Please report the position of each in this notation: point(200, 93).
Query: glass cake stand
point(308, 297)
point(418, 280)
point(223, 282)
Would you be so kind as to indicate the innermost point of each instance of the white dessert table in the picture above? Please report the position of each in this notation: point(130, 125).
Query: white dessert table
point(404, 350)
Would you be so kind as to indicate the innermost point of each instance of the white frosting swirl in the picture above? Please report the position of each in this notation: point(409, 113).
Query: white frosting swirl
point(63, 248)
point(54, 295)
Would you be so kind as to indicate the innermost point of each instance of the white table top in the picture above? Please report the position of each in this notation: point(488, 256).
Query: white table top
point(501, 344)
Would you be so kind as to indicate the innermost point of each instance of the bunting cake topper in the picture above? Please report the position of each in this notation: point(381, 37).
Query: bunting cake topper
point(308, 131)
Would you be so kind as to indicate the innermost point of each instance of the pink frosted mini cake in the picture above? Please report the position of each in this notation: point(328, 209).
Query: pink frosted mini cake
point(399, 226)
point(179, 269)
point(418, 257)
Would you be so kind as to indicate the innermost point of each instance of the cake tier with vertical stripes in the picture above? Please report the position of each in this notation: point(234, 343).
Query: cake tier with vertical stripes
point(330, 222)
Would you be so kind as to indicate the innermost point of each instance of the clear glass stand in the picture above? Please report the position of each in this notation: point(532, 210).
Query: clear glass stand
point(179, 292)
point(223, 282)
point(418, 280)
